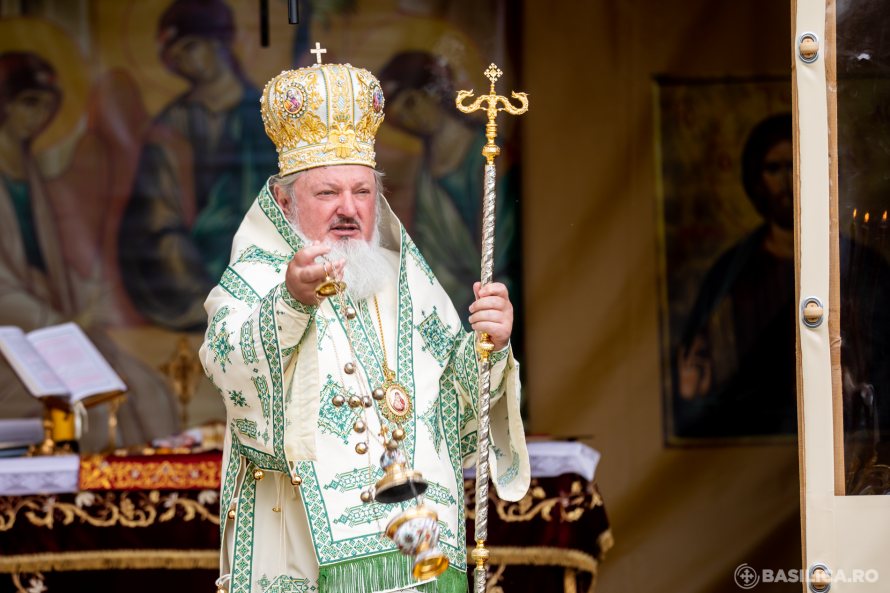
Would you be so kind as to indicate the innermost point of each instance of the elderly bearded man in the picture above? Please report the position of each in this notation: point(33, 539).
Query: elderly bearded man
point(297, 514)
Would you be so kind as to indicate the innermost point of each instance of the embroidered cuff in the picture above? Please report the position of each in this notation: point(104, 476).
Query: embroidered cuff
point(499, 355)
point(499, 360)
point(288, 299)
point(294, 318)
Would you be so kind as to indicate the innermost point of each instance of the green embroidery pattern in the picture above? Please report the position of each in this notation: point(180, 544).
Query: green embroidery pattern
point(467, 415)
point(327, 549)
point(276, 217)
point(354, 480)
point(286, 353)
point(510, 474)
point(331, 419)
point(498, 356)
point(444, 531)
point(437, 337)
point(431, 418)
point(242, 558)
point(405, 341)
point(367, 343)
point(367, 349)
point(246, 427)
point(269, 341)
point(363, 514)
point(369, 353)
point(238, 399)
point(464, 361)
point(262, 391)
point(439, 493)
point(290, 301)
point(449, 400)
point(248, 351)
point(218, 339)
point(469, 438)
point(468, 444)
point(238, 287)
point(258, 255)
point(321, 327)
point(233, 464)
point(418, 258)
point(286, 584)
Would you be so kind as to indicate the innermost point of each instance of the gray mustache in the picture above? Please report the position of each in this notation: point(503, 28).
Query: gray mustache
point(346, 220)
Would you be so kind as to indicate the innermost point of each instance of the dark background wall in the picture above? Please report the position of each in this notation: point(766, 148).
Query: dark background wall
point(683, 519)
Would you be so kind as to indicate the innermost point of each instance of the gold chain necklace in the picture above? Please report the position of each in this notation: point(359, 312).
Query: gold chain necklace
point(395, 396)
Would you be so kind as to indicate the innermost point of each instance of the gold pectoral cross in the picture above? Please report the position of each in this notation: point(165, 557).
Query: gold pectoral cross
point(494, 103)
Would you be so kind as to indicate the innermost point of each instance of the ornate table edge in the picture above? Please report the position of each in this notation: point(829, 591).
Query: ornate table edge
point(110, 560)
point(571, 560)
point(542, 556)
point(209, 559)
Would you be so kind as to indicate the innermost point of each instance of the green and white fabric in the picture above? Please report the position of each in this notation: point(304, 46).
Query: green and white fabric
point(277, 363)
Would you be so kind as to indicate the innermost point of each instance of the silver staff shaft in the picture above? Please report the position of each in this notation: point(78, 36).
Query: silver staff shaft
point(482, 471)
point(492, 103)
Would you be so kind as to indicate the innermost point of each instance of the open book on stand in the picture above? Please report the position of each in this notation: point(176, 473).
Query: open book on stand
point(60, 361)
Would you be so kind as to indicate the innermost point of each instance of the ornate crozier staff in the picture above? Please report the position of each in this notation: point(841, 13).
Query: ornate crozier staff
point(493, 104)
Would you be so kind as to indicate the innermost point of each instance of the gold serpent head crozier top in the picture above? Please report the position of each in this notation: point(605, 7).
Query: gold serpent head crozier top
point(324, 114)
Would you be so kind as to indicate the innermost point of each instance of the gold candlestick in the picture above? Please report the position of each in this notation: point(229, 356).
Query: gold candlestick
point(183, 369)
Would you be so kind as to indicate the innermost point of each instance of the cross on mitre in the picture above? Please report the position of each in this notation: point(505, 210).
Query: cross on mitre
point(318, 51)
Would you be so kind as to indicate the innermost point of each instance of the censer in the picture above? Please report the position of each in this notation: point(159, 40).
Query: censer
point(416, 533)
point(399, 482)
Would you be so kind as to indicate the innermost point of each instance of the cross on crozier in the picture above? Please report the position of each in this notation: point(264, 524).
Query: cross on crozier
point(492, 73)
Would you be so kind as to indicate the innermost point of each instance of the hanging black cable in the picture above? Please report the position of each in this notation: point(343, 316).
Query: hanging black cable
point(264, 23)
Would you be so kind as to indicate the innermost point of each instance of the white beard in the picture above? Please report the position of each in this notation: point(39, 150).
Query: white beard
point(367, 268)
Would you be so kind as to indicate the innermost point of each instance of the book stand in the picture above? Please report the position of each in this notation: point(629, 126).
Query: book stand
point(59, 429)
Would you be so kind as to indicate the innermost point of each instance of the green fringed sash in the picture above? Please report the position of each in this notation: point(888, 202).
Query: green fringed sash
point(382, 573)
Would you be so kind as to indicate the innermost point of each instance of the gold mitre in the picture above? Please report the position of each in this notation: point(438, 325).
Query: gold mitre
point(324, 114)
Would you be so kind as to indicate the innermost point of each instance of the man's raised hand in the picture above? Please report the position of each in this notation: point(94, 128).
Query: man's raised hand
point(304, 274)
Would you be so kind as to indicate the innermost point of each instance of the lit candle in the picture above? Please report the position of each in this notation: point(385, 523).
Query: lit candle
point(865, 230)
point(883, 232)
point(853, 224)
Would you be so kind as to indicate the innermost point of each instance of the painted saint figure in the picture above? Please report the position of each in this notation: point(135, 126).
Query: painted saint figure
point(735, 367)
point(38, 286)
point(204, 156)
